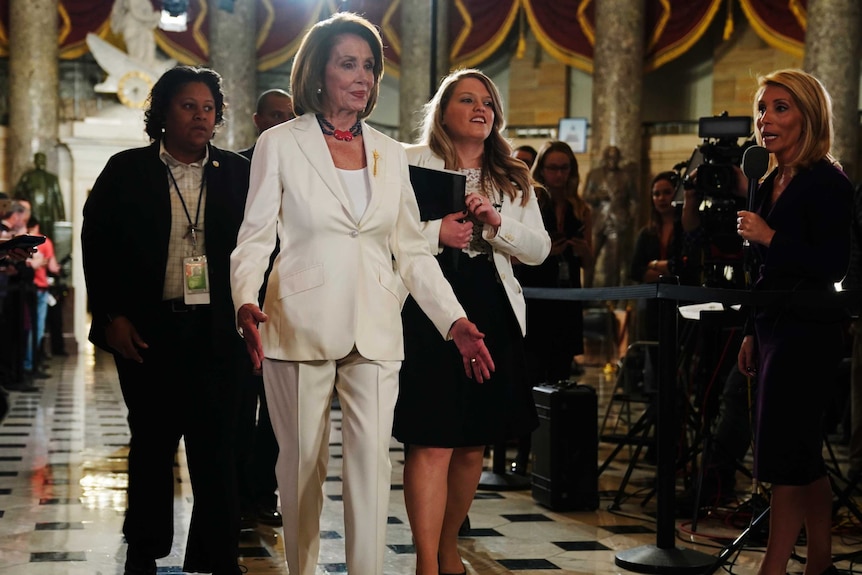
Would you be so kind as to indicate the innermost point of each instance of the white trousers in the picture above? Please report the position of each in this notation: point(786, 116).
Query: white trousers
point(299, 395)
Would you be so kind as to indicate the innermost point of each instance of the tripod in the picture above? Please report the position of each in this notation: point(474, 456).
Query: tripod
point(641, 432)
point(737, 543)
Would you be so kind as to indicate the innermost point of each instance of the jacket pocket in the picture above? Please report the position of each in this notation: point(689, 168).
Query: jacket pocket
point(392, 283)
point(300, 281)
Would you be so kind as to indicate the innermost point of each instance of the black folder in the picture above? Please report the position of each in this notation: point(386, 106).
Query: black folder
point(438, 192)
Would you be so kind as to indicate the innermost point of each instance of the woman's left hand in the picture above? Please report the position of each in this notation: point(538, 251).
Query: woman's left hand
point(482, 209)
point(470, 342)
point(753, 228)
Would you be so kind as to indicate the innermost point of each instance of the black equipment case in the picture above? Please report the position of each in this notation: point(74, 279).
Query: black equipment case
point(566, 447)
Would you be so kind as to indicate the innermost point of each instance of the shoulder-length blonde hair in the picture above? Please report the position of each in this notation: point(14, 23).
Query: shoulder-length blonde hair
point(815, 106)
point(499, 169)
point(307, 78)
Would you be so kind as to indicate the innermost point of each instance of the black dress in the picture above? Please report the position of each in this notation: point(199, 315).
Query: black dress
point(438, 405)
point(799, 349)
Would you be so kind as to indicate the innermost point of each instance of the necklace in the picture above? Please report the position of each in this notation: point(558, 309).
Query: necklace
point(343, 135)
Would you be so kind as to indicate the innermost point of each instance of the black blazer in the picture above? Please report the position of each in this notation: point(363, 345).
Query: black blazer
point(125, 239)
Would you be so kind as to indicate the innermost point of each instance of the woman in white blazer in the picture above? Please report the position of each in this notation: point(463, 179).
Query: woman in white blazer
point(443, 418)
point(337, 194)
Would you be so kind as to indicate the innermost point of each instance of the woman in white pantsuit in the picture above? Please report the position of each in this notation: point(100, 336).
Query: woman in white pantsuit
point(337, 193)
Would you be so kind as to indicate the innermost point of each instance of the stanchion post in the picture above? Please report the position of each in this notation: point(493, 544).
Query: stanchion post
point(664, 557)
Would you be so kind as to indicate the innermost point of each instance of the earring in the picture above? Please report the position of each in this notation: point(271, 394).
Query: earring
point(319, 91)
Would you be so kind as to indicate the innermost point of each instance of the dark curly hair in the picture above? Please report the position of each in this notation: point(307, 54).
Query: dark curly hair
point(167, 87)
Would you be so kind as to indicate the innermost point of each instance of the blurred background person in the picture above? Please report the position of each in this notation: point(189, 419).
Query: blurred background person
point(16, 280)
point(799, 234)
point(42, 263)
point(663, 248)
point(336, 193)
point(555, 329)
point(159, 227)
point(444, 452)
point(274, 107)
point(526, 154)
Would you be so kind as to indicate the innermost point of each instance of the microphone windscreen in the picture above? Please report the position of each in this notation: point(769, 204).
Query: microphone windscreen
point(755, 161)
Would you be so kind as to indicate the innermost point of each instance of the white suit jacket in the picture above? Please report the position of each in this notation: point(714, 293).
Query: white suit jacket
point(336, 282)
point(521, 234)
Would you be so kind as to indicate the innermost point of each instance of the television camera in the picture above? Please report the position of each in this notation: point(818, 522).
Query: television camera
point(711, 173)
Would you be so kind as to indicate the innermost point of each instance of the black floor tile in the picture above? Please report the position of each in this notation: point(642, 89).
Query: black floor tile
point(59, 526)
point(521, 517)
point(58, 556)
point(484, 532)
point(581, 546)
point(527, 564)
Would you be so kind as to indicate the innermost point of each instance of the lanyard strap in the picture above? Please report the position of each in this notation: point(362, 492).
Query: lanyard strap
point(193, 226)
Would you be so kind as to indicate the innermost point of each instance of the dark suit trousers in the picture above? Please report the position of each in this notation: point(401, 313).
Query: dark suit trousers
point(257, 450)
point(182, 389)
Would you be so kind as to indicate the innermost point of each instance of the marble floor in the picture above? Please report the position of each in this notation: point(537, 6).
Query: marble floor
point(62, 497)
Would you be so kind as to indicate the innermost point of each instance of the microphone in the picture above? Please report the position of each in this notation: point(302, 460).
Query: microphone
point(755, 160)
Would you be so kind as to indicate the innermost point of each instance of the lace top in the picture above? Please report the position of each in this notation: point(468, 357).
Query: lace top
point(478, 245)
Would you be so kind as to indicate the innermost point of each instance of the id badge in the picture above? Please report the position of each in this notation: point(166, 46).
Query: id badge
point(196, 284)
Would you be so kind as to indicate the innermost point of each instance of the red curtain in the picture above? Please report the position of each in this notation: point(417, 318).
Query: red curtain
point(477, 28)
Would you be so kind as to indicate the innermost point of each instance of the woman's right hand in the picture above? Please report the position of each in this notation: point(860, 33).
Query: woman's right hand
point(122, 336)
point(455, 230)
point(745, 361)
point(474, 354)
point(248, 317)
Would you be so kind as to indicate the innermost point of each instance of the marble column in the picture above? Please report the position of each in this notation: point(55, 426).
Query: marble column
point(832, 53)
point(33, 85)
point(613, 190)
point(415, 85)
point(233, 54)
point(618, 78)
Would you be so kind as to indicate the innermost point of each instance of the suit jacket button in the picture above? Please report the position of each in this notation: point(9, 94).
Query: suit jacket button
point(353, 233)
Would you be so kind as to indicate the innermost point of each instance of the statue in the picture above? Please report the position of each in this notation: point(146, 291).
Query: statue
point(135, 21)
point(131, 74)
point(611, 192)
point(42, 189)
